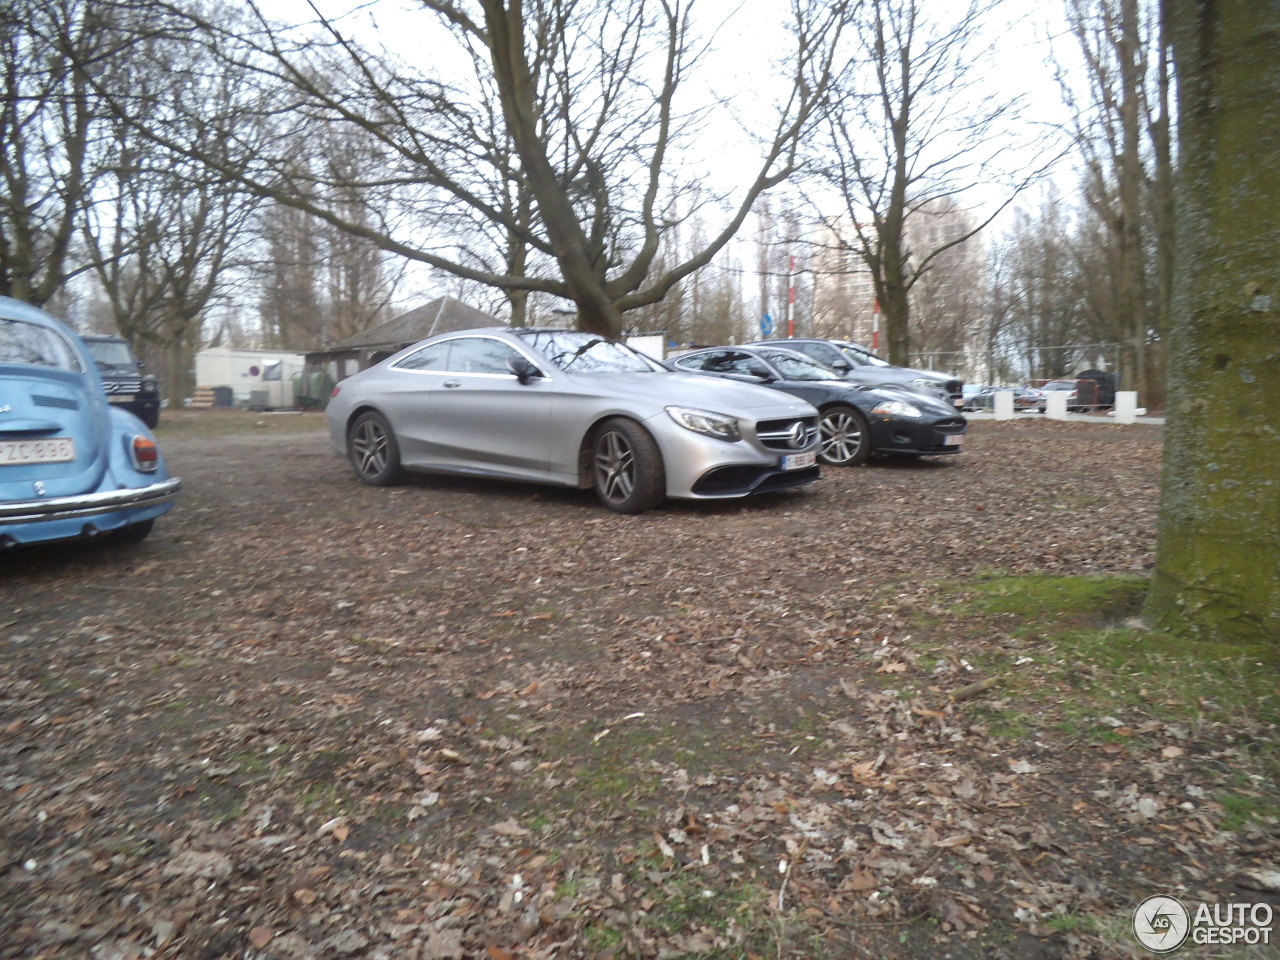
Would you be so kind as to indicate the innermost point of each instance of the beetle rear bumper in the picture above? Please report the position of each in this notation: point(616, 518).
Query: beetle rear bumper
point(89, 504)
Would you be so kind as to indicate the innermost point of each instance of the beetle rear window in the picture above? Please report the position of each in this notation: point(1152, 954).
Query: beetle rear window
point(23, 342)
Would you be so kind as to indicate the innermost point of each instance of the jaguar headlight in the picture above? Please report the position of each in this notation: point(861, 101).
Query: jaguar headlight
point(895, 408)
point(706, 423)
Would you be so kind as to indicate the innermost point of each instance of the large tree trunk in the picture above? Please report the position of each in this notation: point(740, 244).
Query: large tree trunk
point(1218, 556)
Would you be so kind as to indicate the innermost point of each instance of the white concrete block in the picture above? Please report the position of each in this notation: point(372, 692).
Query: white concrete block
point(1126, 406)
point(1003, 407)
point(1056, 404)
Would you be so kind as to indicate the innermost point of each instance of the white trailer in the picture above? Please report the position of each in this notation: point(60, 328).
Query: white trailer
point(652, 344)
point(257, 379)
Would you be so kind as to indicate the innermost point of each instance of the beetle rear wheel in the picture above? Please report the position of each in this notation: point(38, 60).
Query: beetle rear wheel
point(133, 533)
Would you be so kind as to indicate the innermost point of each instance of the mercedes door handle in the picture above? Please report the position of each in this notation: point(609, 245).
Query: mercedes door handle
point(452, 383)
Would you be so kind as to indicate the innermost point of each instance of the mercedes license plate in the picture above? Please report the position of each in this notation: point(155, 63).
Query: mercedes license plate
point(18, 452)
point(798, 461)
point(953, 441)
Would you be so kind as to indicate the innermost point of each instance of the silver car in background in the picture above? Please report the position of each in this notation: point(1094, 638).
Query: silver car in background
point(573, 409)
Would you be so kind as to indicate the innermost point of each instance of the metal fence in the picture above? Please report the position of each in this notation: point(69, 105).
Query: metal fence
point(1010, 363)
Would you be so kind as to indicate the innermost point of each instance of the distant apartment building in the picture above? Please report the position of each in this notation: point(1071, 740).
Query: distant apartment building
point(844, 298)
point(945, 302)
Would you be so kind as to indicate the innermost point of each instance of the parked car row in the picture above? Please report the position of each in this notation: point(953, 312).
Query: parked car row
point(576, 409)
point(860, 365)
point(855, 420)
point(1024, 398)
point(561, 407)
point(1080, 394)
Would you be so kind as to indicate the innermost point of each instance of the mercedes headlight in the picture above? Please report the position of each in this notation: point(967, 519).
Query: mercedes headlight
point(706, 423)
point(896, 408)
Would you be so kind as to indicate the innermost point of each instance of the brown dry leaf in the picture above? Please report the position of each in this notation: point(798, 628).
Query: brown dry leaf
point(859, 881)
point(509, 828)
point(667, 850)
point(260, 937)
point(896, 667)
point(1171, 751)
point(341, 832)
point(497, 953)
point(306, 896)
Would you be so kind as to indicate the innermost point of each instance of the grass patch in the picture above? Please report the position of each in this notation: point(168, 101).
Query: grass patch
point(1042, 600)
point(222, 423)
point(689, 913)
point(1241, 809)
point(1073, 666)
point(325, 798)
point(1079, 658)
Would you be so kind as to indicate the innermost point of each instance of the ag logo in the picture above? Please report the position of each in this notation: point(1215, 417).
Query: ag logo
point(1161, 923)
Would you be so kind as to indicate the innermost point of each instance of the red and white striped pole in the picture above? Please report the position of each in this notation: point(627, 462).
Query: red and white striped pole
point(791, 296)
point(875, 326)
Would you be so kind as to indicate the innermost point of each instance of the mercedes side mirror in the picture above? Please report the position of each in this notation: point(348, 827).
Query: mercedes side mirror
point(523, 370)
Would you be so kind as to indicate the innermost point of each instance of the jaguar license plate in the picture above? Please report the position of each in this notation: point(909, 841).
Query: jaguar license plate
point(54, 450)
point(953, 441)
point(798, 461)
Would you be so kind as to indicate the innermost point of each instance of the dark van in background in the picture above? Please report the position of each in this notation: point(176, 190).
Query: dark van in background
point(124, 379)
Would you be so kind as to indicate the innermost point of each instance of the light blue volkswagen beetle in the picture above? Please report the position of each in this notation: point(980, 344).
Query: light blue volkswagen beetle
point(71, 465)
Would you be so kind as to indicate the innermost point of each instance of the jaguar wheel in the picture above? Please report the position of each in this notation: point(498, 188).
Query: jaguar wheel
point(374, 453)
point(845, 439)
point(626, 467)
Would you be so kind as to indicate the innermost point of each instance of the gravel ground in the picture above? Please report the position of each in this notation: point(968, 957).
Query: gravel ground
point(309, 718)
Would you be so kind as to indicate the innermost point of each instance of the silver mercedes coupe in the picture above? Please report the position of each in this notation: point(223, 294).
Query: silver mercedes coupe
point(573, 409)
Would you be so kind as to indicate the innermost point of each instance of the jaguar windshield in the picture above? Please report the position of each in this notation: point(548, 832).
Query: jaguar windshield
point(796, 366)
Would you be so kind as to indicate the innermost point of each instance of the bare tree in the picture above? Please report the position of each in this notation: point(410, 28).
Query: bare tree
point(1121, 130)
point(566, 181)
point(912, 124)
point(1216, 575)
point(49, 118)
point(322, 284)
point(1038, 321)
point(163, 237)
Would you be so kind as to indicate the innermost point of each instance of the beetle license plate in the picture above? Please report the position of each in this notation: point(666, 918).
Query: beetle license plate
point(953, 441)
point(797, 461)
point(18, 452)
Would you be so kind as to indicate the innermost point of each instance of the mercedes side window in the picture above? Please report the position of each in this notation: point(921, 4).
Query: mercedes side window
point(480, 355)
point(433, 357)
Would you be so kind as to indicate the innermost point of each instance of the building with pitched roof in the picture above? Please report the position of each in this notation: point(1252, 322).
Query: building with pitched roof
point(442, 315)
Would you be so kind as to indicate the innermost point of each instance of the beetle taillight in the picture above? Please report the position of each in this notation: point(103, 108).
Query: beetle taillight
point(336, 390)
point(145, 454)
